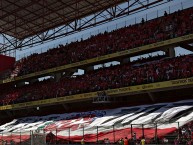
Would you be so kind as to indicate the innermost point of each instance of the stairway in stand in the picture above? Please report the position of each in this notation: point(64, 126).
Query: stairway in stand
point(15, 72)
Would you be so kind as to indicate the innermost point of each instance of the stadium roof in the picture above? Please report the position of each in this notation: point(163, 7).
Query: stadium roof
point(24, 18)
point(28, 23)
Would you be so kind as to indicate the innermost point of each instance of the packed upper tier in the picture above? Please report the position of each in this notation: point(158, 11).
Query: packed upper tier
point(156, 30)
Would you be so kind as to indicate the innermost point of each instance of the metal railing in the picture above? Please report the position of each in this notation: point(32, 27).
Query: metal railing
point(151, 132)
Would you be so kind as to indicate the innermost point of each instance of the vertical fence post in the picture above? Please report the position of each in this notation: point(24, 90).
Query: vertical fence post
point(44, 134)
point(31, 134)
point(97, 134)
point(2, 137)
point(20, 137)
point(83, 132)
point(69, 135)
point(114, 133)
point(156, 132)
point(143, 131)
point(178, 127)
point(56, 136)
point(131, 130)
point(11, 137)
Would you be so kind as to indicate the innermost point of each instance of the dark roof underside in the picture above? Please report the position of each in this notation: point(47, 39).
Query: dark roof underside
point(24, 18)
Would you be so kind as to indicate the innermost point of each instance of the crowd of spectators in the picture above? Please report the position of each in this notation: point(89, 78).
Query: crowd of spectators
point(182, 136)
point(185, 135)
point(130, 74)
point(147, 32)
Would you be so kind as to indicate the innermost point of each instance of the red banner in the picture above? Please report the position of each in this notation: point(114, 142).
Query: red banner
point(6, 62)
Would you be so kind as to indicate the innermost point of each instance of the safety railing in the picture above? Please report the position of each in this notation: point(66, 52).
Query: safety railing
point(112, 134)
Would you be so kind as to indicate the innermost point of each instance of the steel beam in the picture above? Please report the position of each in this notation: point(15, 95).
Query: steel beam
point(97, 18)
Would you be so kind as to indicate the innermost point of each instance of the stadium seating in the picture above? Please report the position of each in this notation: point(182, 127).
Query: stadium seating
point(166, 27)
point(130, 74)
point(164, 122)
point(168, 117)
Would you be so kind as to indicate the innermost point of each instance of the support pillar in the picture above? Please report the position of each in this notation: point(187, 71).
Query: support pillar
point(57, 76)
point(20, 84)
point(125, 60)
point(33, 81)
point(89, 68)
point(170, 52)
